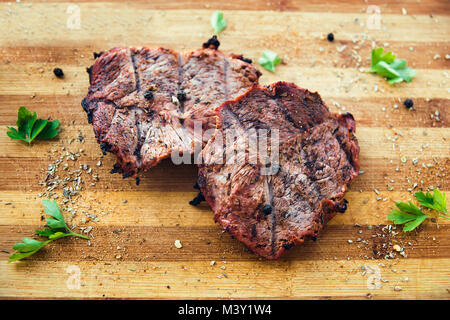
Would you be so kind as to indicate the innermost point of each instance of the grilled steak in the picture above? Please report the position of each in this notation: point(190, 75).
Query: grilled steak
point(143, 102)
point(272, 210)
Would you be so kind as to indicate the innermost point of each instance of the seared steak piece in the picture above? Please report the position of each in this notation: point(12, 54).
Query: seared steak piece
point(272, 210)
point(143, 102)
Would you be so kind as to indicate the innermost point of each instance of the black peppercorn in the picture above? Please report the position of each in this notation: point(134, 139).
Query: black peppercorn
point(115, 168)
point(105, 148)
point(148, 95)
point(241, 57)
point(408, 103)
point(330, 37)
point(212, 43)
point(126, 175)
point(197, 200)
point(267, 209)
point(343, 208)
point(97, 54)
point(58, 72)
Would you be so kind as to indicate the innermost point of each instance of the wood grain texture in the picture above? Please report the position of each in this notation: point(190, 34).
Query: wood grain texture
point(132, 253)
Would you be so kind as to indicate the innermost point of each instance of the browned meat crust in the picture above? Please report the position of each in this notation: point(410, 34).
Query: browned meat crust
point(143, 102)
point(318, 157)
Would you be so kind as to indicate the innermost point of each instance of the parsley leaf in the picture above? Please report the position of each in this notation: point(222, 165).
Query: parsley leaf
point(412, 216)
point(50, 130)
point(29, 127)
point(56, 228)
point(410, 226)
point(409, 207)
point(26, 248)
point(218, 22)
point(379, 55)
point(269, 60)
point(387, 65)
point(435, 201)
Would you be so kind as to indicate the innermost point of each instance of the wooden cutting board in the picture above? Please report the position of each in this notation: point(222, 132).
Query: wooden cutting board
point(131, 253)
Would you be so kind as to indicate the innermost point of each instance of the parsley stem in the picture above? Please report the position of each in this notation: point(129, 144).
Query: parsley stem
point(438, 216)
point(78, 235)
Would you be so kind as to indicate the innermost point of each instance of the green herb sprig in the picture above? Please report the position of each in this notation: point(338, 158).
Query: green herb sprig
point(412, 216)
point(269, 60)
point(387, 65)
point(29, 127)
point(218, 22)
point(56, 228)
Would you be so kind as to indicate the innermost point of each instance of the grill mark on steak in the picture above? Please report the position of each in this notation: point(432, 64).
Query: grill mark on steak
point(180, 83)
point(286, 115)
point(140, 142)
point(269, 197)
point(225, 82)
point(305, 192)
point(135, 68)
point(142, 131)
point(235, 119)
point(350, 123)
point(310, 180)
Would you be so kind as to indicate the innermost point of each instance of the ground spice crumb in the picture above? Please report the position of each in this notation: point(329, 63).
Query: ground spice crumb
point(178, 244)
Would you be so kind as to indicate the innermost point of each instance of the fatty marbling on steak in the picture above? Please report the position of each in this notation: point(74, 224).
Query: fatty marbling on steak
point(318, 157)
point(143, 102)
